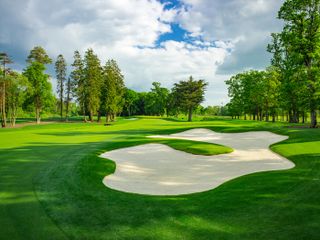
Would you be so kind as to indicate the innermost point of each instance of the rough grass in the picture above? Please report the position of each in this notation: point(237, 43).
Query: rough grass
point(51, 187)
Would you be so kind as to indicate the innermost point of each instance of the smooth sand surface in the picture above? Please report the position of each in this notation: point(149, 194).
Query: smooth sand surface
point(156, 169)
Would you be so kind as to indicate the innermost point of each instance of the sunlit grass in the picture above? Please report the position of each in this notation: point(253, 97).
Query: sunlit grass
point(51, 186)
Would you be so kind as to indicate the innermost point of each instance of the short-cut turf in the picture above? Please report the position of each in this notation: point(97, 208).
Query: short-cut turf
point(50, 187)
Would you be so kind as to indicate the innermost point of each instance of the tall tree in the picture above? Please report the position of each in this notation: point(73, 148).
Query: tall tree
point(4, 60)
point(68, 97)
point(130, 101)
point(61, 74)
point(159, 98)
point(17, 90)
point(301, 39)
point(41, 93)
point(38, 54)
point(189, 94)
point(113, 90)
point(78, 83)
point(93, 81)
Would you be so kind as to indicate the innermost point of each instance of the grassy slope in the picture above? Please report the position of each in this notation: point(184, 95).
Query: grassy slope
point(58, 165)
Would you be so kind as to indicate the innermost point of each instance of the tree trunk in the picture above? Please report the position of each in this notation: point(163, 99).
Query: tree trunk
point(99, 117)
point(273, 117)
point(67, 108)
point(267, 116)
point(90, 116)
point(61, 109)
point(84, 113)
point(190, 114)
point(3, 104)
point(107, 117)
point(313, 116)
point(38, 120)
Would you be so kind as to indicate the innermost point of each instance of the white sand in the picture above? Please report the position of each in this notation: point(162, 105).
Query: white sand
point(131, 119)
point(157, 169)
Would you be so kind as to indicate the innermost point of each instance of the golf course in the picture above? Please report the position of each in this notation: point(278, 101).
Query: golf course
point(51, 185)
point(160, 120)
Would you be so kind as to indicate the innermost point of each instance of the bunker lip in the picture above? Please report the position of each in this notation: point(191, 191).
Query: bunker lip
point(156, 169)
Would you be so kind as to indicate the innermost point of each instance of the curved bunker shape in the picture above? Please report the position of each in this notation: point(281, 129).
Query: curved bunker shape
point(156, 169)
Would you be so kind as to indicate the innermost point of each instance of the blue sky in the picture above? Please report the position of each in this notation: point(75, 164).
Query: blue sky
point(164, 41)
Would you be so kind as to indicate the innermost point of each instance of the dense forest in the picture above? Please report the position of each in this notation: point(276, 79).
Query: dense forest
point(91, 89)
point(288, 89)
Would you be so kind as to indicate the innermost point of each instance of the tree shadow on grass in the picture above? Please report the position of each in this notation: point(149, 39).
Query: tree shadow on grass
point(67, 180)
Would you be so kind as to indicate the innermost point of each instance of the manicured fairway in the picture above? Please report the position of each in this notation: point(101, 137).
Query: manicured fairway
point(51, 187)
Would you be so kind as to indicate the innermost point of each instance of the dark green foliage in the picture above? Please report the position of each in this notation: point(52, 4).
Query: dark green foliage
point(189, 94)
point(92, 82)
point(77, 82)
point(112, 90)
point(61, 73)
point(38, 54)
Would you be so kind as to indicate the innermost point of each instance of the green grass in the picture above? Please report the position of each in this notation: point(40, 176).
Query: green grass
point(198, 148)
point(51, 186)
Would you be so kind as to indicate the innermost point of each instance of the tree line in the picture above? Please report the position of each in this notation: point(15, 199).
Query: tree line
point(185, 97)
point(290, 87)
point(95, 89)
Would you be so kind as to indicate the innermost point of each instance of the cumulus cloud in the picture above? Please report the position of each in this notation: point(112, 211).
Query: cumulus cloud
point(223, 36)
point(246, 24)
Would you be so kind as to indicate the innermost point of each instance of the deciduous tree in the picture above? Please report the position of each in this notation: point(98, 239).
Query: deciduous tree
point(189, 94)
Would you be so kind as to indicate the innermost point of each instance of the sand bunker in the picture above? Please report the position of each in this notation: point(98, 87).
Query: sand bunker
point(157, 169)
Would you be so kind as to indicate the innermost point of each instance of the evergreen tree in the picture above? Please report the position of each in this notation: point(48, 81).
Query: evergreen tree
point(92, 81)
point(4, 60)
point(68, 97)
point(61, 73)
point(77, 83)
point(113, 90)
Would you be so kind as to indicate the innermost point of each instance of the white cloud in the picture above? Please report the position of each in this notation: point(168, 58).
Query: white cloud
point(227, 34)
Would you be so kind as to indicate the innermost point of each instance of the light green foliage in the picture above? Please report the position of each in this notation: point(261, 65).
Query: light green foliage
point(40, 87)
point(17, 90)
point(296, 54)
point(255, 93)
point(130, 102)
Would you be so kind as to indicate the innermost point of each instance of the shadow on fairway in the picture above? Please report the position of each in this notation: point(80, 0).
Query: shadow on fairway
point(68, 183)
